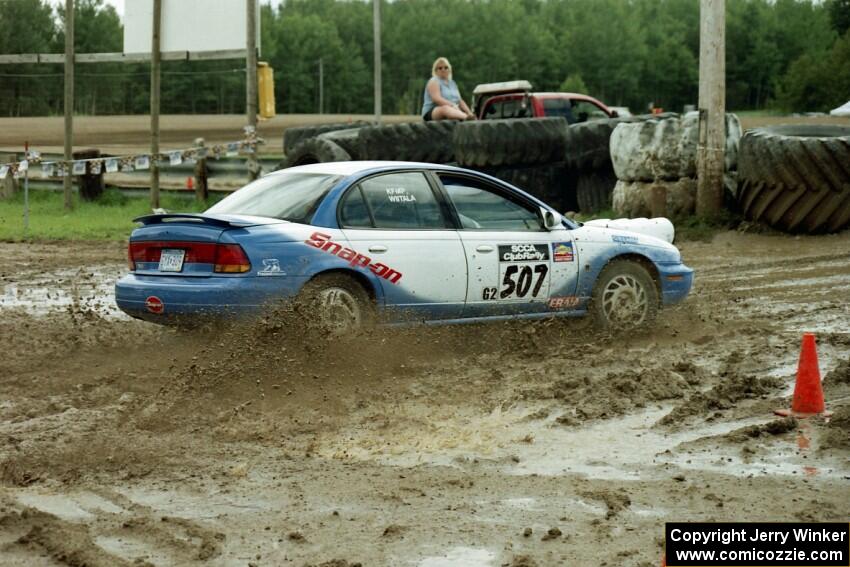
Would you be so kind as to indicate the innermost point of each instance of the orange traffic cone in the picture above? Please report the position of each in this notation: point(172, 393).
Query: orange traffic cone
point(808, 393)
point(190, 183)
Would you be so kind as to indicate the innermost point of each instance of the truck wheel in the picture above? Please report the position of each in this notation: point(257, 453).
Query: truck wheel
point(316, 150)
point(796, 178)
point(594, 189)
point(337, 304)
point(294, 136)
point(509, 142)
point(411, 141)
point(624, 297)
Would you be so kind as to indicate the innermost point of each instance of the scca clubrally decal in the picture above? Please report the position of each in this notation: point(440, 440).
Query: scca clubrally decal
point(523, 252)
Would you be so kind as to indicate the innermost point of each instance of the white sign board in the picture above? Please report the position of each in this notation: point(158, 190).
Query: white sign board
point(188, 25)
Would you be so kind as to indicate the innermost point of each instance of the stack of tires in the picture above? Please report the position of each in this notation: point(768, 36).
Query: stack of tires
point(526, 152)
point(796, 178)
point(660, 154)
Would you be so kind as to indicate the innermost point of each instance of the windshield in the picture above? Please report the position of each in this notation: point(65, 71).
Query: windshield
point(286, 196)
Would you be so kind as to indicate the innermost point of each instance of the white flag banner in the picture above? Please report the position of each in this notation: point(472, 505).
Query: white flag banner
point(175, 158)
point(23, 166)
point(47, 169)
point(111, 165)
point(142, 162)
point(127, 164)
point(4, 171)
point(95, 167)
point(233, 149)
point(79, 168)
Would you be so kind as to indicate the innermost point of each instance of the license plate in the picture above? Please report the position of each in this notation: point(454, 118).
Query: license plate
point(171, 260)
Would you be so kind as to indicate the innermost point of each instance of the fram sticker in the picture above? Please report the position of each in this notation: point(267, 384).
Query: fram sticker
point(621, 239)
point(355, 259)
point(562, 251)
point(523, 253)
point(563, 302)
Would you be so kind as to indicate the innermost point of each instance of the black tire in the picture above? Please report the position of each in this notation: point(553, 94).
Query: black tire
point(337, 303)
point(796, 178)
point(510, 142)
point(316, 150)
point(553, 184)
point(595, 189)
point(625, 297)
point(294, 136)
point(410, 141)
point(588, 142)
point(348, 140)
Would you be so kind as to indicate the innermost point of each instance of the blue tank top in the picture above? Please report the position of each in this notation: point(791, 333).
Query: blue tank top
point(448, 90)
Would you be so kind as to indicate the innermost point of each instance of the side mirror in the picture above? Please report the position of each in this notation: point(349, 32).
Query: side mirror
point(551, 220)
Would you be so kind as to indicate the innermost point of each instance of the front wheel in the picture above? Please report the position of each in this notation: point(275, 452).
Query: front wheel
point(625, 297)
point(337, 304)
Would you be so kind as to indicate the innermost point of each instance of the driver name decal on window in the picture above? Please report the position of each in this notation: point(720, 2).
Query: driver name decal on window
point(400, 195)
point(355, 259)
point(523, 253)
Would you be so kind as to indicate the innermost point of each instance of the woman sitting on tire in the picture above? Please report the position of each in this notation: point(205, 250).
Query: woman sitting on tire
point(442, 99)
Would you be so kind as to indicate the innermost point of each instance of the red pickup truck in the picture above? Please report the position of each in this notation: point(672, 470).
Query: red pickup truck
point(514, 99)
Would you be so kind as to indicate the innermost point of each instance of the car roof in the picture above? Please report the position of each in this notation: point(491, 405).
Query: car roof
point(347, 168)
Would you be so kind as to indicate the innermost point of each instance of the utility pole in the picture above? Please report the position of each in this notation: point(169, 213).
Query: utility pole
point(69, 100)
point(155, 92)
point(321, 86)
point(376, 25)
point(712, 107)
point(251, 87)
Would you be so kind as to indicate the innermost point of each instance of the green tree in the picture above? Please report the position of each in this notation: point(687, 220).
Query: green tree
point(573, 84)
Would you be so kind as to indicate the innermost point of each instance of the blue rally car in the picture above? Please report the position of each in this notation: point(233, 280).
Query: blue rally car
point(393, 242)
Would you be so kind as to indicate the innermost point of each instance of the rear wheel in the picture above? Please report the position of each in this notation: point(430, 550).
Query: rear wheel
point(338, 304)
point(625, 297)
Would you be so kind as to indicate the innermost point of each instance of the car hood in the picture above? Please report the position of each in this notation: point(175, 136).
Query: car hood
point(659, 228)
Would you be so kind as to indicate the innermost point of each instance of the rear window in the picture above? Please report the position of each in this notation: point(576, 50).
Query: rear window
point(286, 196)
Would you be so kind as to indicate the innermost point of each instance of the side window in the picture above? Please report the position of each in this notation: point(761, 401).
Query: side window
point(395, 200)
point(479, 207)
point(354, 213)
point(559, 107)
point(584, 111)
point(493, 111)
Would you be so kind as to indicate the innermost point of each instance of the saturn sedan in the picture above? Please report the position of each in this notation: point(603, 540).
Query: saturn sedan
point(395, 242)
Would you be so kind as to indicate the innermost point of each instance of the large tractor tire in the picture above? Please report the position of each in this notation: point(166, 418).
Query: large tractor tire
point(633, 199)
point(594, 189)
point(429, 142)
point(796, 178)
point(348, 140)
point(294, 136)
point(551, 183)
point(316, 150)
point(588, 143)
point(665, 148)
point(510, 142)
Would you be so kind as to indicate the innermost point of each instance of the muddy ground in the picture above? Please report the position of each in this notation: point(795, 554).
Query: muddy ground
point(122, 443)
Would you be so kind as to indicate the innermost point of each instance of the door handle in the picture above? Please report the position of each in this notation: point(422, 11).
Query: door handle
point(377, 248)
point(485, 248)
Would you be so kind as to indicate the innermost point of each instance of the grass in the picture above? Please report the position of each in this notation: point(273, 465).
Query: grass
point(109, 218)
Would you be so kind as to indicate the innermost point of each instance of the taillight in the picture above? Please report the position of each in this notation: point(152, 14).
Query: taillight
point(230, 258)
point(226, 258)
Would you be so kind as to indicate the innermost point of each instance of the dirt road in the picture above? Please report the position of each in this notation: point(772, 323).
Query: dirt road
point(122, 443)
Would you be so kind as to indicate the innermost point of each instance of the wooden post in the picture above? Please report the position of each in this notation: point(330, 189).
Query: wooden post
point(201, 175)
point(712, 108)
point(155, 92)
point(376, 32)
point(69, 99)
point(10, 184)
point(321, 86)
point(251, 86)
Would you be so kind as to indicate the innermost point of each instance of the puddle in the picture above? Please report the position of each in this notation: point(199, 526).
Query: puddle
point(466, 556)
point(90, 289)
point(626, 448)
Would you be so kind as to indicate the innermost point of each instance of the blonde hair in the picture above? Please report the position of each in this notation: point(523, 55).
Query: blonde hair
point(437, 62)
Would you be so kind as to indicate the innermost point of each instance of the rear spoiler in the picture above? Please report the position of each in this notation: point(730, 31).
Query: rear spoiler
point(190, 217)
